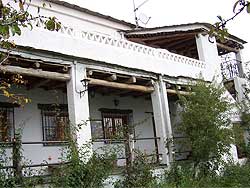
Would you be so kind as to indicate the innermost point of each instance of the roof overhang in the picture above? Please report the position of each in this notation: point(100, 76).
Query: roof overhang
point(181, 39)
point(182, 28)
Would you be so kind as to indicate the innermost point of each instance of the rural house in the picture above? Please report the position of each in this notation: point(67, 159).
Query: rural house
point(116, 79)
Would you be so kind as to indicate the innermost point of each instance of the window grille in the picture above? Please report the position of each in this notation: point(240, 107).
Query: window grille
point(116, 123)
point(6, 121)
point(55, 122)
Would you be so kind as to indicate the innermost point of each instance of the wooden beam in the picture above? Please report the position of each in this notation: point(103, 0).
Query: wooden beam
point(225, 47)
point(150, 83)
point(169, 36)
point(37, 65)
point(180, 42)
point(113, 77)
point(173, 91)
point(131, 80)
point(33, 72)
point(122, 86)
point(90, 73)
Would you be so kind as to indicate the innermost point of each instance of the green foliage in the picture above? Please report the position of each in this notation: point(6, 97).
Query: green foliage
point(9, 176)
point(235, 176)
point(14, 16)
point(242, 146)
point(205, 122)
point(138, 174)
point(231, 176)
point(219, 29)
point(85, 170)
point(6, 83)
point(14, 19)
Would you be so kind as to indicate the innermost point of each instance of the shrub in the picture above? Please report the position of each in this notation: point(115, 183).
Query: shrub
point(205, 122)
point(138, 173)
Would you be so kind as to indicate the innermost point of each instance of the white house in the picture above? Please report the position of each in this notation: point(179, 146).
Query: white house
point(108, 73)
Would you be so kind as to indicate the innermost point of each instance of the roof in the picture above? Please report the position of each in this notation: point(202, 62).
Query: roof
point(197, 26)
point(93, 13)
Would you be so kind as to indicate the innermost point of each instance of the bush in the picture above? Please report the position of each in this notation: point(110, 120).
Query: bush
point(138, 174)
point(86, 171)
point(205, 123)
point(236, 176)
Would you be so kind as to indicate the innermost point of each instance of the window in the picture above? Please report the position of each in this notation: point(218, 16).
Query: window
point(55, 122)
point(116, 123)
point(6, 121)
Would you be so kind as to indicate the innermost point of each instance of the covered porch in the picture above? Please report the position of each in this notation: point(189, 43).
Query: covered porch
point(120, 109)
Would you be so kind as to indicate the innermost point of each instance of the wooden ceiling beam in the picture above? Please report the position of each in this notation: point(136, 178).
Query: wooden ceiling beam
point(35, 73)
point(122, 86)
point(185, 47)
point(179, 43)
point(164, 40)
point(173, 91)
point(228, 48)
point(131, 80)
point(167, 35)
point(111, 78)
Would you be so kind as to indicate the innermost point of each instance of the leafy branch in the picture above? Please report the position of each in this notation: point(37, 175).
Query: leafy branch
point(15, 16)
point(13, 19)
point(219, 28)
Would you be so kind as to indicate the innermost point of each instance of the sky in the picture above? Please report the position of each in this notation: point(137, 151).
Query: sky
point(169, 12)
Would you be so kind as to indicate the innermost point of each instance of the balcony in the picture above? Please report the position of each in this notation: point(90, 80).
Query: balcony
point(230, 68)
point(111, 50)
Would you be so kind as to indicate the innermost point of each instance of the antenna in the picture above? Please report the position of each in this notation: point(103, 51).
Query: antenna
point(144, 18)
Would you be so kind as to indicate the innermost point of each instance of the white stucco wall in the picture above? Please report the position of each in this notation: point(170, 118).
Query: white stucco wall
point(28, 118)
point(75, 18)
point(141, 120)
point(86, 36)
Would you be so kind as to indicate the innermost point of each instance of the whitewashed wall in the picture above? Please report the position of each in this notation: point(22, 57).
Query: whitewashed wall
point(28, 118)
point(86, 36)
point(141, 120)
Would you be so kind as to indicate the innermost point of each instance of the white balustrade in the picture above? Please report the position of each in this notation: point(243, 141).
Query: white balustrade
point(125, 44)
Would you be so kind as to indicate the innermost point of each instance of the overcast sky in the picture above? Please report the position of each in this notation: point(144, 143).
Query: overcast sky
point(167, 12)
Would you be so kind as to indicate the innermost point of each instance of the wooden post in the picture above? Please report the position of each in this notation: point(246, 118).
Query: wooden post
point(17, 157)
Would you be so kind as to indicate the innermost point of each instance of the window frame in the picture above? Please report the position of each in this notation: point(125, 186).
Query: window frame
point(48, 115)
point(116, 113)
point(9, 108)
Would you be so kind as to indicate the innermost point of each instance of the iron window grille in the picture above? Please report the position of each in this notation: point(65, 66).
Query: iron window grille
point(55, 122)
point(116, 124)
point(6, 121)
point(230, 67)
